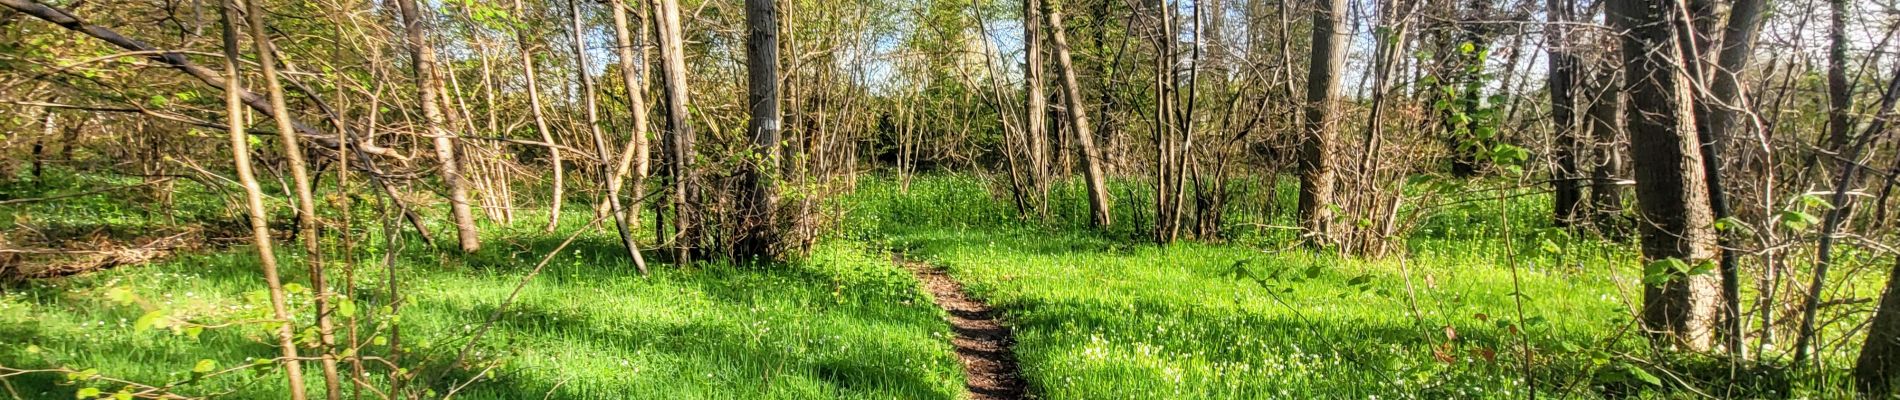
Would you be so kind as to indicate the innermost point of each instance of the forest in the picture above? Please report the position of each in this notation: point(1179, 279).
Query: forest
point(949, 199)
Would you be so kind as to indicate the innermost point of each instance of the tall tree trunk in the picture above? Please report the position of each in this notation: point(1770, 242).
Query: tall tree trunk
point(1036, 110)
point(1567, 178)
point(415, 31)
point(1078, 118)
point(1322, 123)
point(759, 200)
point(592, 109)
point(1720, 117)
point(634, 156)
point(1669, 182)
point(680, 142)
point(254, 203)
point(306, 201)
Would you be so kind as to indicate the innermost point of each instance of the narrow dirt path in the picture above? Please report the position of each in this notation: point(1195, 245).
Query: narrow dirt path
point(983, 343)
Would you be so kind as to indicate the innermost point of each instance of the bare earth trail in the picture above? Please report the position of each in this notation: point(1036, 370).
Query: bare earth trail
point(984, 344)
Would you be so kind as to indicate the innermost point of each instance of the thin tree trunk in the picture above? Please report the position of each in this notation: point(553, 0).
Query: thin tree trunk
point(254, 202)
point(306, 201)
point(1078, 119)
point(1036, 108)
point(1669, 182)
point(415, 31)
point(588, 91)
point(529, 73)
point(634, 156)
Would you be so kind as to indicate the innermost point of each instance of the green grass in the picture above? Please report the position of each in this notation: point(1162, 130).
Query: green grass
point(841, 323)
point(1099, 317)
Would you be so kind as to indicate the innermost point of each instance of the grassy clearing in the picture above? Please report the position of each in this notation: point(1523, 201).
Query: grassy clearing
point(1097, 317)
point(844, 323)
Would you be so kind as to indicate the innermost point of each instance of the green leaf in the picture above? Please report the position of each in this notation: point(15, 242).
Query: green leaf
point(1641, 375)
point(119, 294)
point(1312, 272)
point(1662, 271)
point(1796, 220)
point(150, 320)
point(204, 366)
point(87, 393)
point(347, 308)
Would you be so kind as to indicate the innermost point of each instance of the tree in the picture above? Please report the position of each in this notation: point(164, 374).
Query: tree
point(679, 144)
point(1321, 122)
point(428, 84)
point(254, 205)
point(1720, 117)
point(306, 202)
point(1567, 179)
point(1678, 230)
point(528, 74)
point(759, 197)
point(1036, 107)
point(633, 157)
point(1078, 118)
point(592, 109)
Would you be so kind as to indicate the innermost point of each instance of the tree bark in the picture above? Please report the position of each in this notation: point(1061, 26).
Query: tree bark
point(1670, 186)
point(1878, 369)
point(1321, 124)
point(758, 202)
point(634, 156)
point(1720, 116)
point(1036, 108)
point(1606, 134)
point(415, 31)
point(254, 202)
point(680, 141)
point(1078, 119)
point(1567, 178)
point(306, 201)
